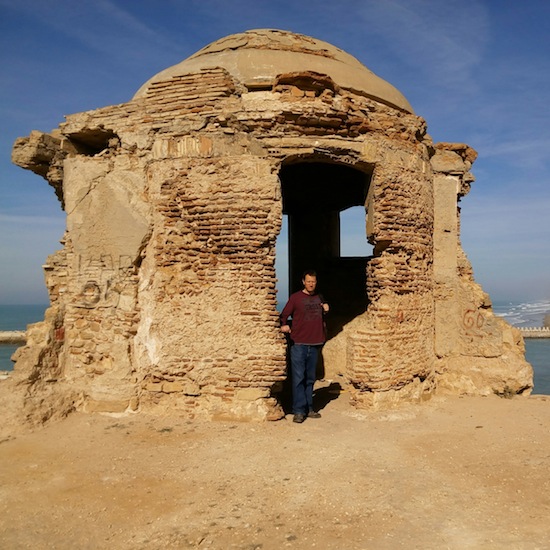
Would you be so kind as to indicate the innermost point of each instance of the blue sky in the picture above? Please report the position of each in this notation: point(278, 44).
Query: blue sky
point(477, 70)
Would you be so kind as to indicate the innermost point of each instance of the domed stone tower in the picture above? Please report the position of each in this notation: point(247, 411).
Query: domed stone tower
point(163, 296)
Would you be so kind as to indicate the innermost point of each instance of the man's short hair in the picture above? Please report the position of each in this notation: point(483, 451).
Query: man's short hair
point(310, 272)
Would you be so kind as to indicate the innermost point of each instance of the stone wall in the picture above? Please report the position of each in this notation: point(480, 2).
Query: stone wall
point(399, 283)
point(210, 326)
point(477, 352)
point(164, 295)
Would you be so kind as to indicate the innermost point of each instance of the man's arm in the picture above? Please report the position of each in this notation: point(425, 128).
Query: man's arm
point(285, 314)
point(324, 305)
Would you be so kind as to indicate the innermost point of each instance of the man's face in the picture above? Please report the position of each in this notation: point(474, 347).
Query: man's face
point(310, 282)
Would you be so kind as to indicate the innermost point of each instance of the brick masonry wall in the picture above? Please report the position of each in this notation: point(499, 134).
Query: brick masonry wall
point(175, 307)
point(394, 346)
point(213, 281)
point(200, 293)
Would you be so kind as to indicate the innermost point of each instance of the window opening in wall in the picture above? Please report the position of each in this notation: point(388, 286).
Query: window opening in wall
point(91, 142)
point(353, 241)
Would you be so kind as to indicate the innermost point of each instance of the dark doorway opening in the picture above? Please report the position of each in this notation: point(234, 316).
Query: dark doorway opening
point(314, 194)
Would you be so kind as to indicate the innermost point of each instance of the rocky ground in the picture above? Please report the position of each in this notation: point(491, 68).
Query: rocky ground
point(459, 473)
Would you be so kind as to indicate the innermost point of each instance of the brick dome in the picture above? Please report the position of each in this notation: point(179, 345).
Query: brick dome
point(256, 58)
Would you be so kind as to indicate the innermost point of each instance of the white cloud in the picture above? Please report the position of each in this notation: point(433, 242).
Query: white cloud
point(457, 62)
point(530, 153)
point(102, 27)
point(442, 41)
point(507, 239)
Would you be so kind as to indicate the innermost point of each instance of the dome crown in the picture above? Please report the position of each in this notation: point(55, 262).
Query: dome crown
point(257, 57)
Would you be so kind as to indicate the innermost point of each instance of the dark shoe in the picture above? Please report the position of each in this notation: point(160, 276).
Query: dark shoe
point(299, 418)
point(313, 414)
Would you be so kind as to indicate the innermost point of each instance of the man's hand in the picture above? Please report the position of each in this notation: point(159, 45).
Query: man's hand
point(285, 329)
point(325, 307)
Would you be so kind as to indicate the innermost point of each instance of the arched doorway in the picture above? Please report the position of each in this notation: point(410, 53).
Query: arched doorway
point(314, 193)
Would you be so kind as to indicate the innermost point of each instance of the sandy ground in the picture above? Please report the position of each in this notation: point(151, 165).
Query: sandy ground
point(460, 473)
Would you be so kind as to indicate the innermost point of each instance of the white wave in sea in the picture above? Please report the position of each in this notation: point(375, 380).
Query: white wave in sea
point(523, 314)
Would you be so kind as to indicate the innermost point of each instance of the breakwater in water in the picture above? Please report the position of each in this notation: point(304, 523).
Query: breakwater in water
point(535, 332)
point(13, 337)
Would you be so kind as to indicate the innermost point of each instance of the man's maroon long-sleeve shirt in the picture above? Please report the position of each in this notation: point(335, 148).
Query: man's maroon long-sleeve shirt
point(306, 311)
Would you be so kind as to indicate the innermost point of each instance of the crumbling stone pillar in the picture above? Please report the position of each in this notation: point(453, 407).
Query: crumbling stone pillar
point(399, 287)
point(477, 353)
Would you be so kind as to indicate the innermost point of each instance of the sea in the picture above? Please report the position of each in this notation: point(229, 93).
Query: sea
point(519, 314)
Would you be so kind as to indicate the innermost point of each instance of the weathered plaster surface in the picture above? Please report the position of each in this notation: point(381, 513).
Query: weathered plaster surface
point(163, 296)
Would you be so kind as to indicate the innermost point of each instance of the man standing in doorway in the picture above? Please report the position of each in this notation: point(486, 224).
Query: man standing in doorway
point(307, 309)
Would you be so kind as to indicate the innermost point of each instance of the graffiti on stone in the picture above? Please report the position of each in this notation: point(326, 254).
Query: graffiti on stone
point(91, 294)
point(472, 320)
point(102, 279)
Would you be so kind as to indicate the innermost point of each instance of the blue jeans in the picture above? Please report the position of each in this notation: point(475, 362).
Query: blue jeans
point(303, 362)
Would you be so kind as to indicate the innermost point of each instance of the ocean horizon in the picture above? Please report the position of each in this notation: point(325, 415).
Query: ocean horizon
point(518, 314)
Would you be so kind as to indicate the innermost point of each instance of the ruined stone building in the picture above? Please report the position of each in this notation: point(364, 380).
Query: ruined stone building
point(163, 296)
